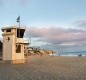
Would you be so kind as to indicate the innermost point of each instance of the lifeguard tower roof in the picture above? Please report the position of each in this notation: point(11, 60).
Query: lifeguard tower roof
point(20, 30)
point(12, 27)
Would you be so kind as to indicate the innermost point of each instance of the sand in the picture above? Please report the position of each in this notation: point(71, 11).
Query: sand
point(46, 68)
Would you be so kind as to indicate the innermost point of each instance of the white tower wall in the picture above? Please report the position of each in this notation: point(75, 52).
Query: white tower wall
point(9, 46)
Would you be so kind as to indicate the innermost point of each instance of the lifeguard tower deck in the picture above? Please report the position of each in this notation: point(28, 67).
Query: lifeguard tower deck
point(13, 45)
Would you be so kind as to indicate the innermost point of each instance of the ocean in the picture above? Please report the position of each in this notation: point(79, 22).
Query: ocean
point(66, 50)
point(78, 53)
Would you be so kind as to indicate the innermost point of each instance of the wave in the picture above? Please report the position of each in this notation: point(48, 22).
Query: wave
point(78, 53)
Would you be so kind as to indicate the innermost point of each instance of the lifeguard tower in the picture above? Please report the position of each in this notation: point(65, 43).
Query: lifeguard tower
point(13, 44)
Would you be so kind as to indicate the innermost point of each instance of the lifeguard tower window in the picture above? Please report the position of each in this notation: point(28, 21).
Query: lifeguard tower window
point(18, 48)
point(20, 33)
point(9, 30)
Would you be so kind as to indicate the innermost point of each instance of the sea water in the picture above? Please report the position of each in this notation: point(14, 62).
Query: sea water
point(79, 53)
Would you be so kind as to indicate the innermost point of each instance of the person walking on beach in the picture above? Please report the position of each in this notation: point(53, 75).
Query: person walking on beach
point(41, 54)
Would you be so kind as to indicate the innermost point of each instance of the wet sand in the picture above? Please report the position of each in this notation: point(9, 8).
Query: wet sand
point(46, 68)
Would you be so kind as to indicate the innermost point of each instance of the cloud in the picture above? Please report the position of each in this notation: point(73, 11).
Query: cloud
point(80, 23)
point(1, 2)
point(58, 36)
point(23, 2)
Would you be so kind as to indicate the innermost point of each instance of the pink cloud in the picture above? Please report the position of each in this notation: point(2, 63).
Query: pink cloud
point(56, 35)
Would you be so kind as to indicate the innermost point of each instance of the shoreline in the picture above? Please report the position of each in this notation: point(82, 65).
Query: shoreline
point(69, 55)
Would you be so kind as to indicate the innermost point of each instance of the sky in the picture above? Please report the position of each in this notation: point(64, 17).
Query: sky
point(53, 22)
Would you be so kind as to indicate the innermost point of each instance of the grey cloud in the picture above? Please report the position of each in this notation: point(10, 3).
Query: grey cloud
point(58, 35)
point(23, 2)
point(80, 23)
point(1, 2)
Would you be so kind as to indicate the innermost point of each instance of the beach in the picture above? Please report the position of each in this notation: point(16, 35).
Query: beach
point(46, 68)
